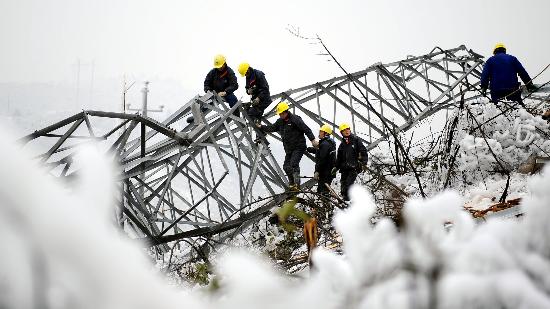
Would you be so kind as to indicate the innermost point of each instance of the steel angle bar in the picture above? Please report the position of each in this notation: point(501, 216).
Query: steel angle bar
point(396, 98)
point(231, 116)
point(371, 108)
point(252, 176)
point(350, 109)
point(183, 222)
point(206, 186)
point(225, 226)
point(159, 153)
point(75, 136)
point(382, 100)
point(180, 212)
point(425, 77)
point(139, 204)
point(236, 156)
point(194, 208)
point(65, 148)
point(225, 203)
point(50, 128)
point(70, 131)
point(270, 171)
point(88, 124)
point(311, 115)
point(453, 85)
point(119, 144)
point(167, 182)
point(116, 128)
point(165, 201)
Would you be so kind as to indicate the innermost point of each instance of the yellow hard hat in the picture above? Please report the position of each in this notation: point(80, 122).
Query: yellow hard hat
point(281, 107)
point(219, 61)
point(243, 68)
point(499, 45)
point(326, 128)
point(343, 126)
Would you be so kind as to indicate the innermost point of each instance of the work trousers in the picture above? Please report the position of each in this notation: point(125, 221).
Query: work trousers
point(347, 179)
point(291, 166)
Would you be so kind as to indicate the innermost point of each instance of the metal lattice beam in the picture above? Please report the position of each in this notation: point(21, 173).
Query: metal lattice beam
point(202, 181)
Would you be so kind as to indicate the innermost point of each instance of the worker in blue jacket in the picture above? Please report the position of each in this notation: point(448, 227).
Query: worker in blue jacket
point(222, 80)
point(501, 74)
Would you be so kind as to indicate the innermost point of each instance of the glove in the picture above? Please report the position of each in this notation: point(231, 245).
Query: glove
point(249, 91)
point(315, 143)
point(258, 124)
point(316, 175)
point(531, 87)
point(333, 171)
point(483, 91)
point(256, 101)
point(222, 93)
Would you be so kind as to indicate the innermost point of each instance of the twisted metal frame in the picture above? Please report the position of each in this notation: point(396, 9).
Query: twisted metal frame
point(181, 184)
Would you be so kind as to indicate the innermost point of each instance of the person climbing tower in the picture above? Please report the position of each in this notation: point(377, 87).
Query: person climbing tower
point(500, 73)
point(293, 131)
point(222, 80)
point(257, 87)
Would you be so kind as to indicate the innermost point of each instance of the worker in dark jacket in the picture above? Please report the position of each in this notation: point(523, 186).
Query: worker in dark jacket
point(293, 131)
point(501, 73)
point(258, 89)
point(325, 159)
point(351, 159)
point(222, 80)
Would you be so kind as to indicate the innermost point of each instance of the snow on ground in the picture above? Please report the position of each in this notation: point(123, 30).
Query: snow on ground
point(60, 249)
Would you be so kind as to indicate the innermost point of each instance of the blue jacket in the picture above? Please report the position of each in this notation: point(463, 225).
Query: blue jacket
point(502, 71)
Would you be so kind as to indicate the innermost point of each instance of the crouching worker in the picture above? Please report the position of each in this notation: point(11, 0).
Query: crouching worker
point(222, 80)
point(325, 159)
point(293, 131)
point(351, 159)
point(258, 89)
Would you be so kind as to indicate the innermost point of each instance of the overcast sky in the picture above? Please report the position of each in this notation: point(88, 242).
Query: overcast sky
point(42, 40)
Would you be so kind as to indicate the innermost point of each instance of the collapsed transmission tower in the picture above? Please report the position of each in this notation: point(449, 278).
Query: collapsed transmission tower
point(204, 182)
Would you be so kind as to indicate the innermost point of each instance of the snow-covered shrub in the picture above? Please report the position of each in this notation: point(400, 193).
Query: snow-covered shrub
point(513, 136)
point(60, 250)
point(478, 154)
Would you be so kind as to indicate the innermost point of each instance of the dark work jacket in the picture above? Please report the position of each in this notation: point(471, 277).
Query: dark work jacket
point(292, 132)
point(219, 81)
point(325, 156)
point(260, 88)
point(351, 153)
point(501, 71)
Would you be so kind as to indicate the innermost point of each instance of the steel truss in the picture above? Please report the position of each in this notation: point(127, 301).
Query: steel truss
point(206, 181)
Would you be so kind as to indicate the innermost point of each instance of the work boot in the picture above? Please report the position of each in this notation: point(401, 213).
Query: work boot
point(296, 176)
point(290, 180)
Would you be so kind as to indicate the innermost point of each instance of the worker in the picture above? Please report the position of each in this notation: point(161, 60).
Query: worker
point(351, 159)
point(258, 89)
point(222, 80)
point(501, 74)
point(292, 129)
point(325, 159)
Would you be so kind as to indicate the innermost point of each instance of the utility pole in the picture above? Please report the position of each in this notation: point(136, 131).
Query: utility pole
point(144, 110)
